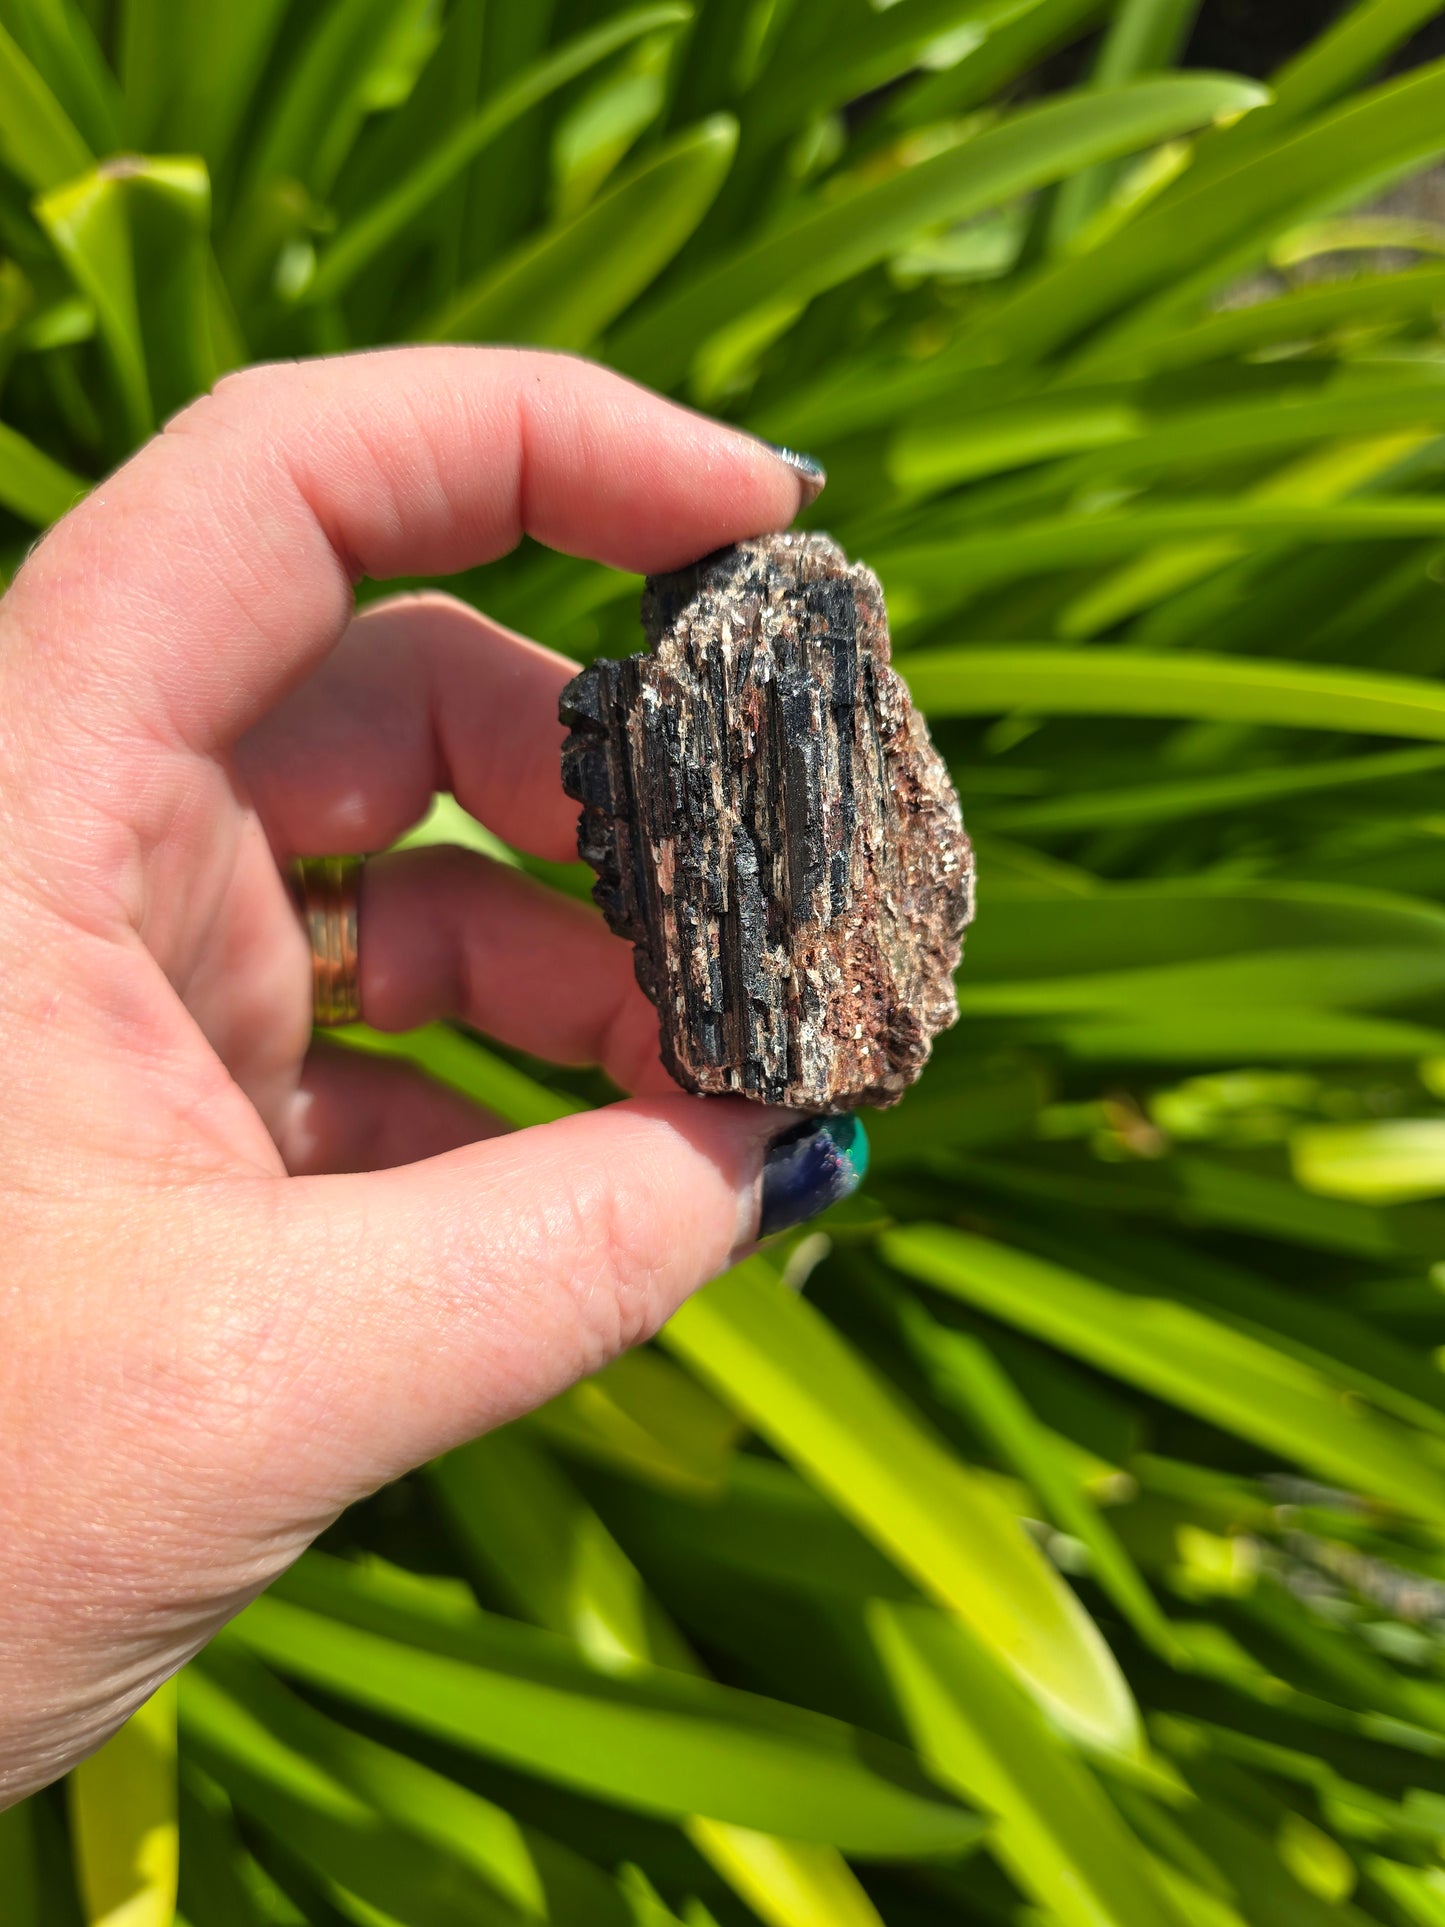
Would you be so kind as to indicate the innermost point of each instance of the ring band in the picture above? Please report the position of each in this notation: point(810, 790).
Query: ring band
point(330, 887)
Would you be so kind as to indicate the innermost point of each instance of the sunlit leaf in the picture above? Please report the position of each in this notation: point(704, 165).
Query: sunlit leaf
point(123, 1813)
point(817, 1402)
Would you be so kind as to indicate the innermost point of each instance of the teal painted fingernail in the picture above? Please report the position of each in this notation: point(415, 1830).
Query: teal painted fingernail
point(811, 474)
point(812, 1165)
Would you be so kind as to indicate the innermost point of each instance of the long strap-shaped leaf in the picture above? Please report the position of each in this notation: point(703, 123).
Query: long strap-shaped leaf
point(830, 237)
point(778, 1361)
point(1055, 1831)
point(654, 1740)
point(38, 141)
point(31, 484)
point(1115, 682)
point(123, 1813)
point(564, 286)
point(1216, 225)
point(538, 1539)
point(362, 239)
point(940, 575)
point(378, 1823)
point(1180, 1354)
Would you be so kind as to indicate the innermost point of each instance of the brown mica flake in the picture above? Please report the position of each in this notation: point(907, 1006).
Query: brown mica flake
point(773, 830)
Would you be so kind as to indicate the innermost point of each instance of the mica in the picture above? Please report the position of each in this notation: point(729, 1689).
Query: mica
point(772, 829)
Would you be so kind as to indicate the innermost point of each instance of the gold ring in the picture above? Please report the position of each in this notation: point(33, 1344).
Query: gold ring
point(330, 887)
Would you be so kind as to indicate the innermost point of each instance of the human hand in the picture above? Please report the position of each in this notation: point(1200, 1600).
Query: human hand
point(246, 1282)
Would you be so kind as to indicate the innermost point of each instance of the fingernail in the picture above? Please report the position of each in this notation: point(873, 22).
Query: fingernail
point(812, 475)
point(811, 1166)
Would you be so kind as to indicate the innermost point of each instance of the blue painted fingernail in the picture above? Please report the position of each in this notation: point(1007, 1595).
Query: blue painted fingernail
point(811, 474)
point(809, 1167)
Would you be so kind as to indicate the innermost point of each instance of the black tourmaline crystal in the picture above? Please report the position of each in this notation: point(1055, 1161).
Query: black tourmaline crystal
point(773, 830)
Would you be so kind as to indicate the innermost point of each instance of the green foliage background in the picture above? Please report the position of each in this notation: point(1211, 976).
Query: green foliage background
point(1072, 1549)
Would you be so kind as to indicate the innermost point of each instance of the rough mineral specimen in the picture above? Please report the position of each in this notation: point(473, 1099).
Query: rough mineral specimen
point(773, 830)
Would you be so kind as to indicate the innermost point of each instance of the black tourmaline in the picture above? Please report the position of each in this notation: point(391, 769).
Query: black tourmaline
point(773, 830)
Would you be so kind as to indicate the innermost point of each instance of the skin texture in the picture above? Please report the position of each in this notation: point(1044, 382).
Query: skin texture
point(247, 1281)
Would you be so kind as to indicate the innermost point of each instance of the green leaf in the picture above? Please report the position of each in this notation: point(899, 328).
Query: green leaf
point(1208, 795)
point(548, 1555)
point(218, 55)
point(936, 578)
point(89, 228)
point(38, 141)
point(644, 1417)
point(1013, 47)
point(467, 1067)
point(780, 1364)
point(964, 1375)
point(562, 288)
point(460, 1861)
point(31, 484)
point(1216, 227)
point(20, 1866)
point(1180, 1355)
point(58, 38)
point(123, 1816)
point(1116, 682)
point(220, 1882)
point(828, 55)
point(1143, 36)
point(361, 239)
point(656, 1741)
point(1054, 1830)
point(1302, 315)
point(1350, 50)
point(1380, 1163)
point(315, 118)
point(1122, 441)
point(380, 1823)
point(552, 1558)
point(829, 237)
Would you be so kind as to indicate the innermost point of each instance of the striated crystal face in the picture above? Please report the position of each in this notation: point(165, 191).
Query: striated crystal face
point(773, 830)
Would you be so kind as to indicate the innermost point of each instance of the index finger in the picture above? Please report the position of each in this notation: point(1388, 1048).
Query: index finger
point(214, 570)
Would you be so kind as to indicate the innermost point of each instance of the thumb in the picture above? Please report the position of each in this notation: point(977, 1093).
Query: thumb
point(425, 1304)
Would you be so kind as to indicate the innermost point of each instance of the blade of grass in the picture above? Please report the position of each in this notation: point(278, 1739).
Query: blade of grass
point(1301, 315)
point(274, 1758)
point(826, 56)
point(317, 114)
point(1117, 439)
point(1013, 48)
point(1385, 1162)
